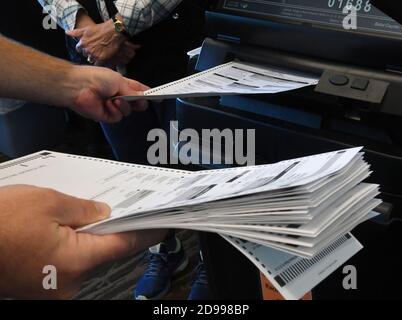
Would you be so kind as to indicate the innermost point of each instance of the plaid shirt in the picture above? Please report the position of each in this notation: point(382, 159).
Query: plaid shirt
point(138, 15)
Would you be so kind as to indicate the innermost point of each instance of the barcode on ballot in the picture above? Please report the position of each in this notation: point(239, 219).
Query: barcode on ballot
point(141, 194)
point(303, 265)
point(194, 193)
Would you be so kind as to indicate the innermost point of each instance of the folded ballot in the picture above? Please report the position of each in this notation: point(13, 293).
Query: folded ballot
point(292, 219)
point(232, 78)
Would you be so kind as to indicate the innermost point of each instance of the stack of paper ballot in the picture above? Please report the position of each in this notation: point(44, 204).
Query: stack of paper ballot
point(291, 219)
point(231, 78)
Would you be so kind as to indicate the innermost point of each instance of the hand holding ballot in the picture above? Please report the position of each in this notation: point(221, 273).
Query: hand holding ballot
point(98, 85)
point(297, 213)
point(42, 239)
point(88, 91)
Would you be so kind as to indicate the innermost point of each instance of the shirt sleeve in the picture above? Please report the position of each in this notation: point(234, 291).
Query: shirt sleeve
point(139, 15)
point(62, 11)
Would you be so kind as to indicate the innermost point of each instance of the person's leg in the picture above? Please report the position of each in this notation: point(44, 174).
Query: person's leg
point(128, 138)
point(200, 286)
point(162, 59)
point(165, 260)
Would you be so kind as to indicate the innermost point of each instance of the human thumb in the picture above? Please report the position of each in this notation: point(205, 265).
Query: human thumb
point(76, 33)
point(75, 212)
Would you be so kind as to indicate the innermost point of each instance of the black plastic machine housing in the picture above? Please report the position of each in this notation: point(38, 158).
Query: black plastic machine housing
point(358, 102)
point(332, 115)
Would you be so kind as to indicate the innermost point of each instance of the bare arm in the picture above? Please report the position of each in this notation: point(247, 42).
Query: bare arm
point(30, 75)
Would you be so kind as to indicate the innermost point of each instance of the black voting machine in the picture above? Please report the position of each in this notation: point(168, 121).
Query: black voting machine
point(358, 102)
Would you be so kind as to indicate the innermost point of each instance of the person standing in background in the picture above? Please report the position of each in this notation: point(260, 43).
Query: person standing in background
point(149, 40)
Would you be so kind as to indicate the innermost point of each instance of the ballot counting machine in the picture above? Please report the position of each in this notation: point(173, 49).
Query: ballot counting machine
point(357, 102)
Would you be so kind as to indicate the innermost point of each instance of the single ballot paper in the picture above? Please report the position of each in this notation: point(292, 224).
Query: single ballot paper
point(233, 78)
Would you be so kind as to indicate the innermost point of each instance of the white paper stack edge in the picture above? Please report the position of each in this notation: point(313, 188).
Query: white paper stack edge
point(292, 219)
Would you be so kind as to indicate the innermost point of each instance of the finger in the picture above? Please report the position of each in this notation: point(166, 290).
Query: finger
point(113, 114)
point(123, 106)
point(133, 46)
point(80, 49)
point(123, 62)
point(136, 86)
point(122, 59)
point(127, 55)
point(97, 250)
point(75, 212)
point(140, 105)
point(128, 49)
point(124, 56)
point(76, 33)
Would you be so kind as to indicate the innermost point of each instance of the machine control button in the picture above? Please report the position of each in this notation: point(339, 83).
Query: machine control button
point(339, 80)
point(360, 84)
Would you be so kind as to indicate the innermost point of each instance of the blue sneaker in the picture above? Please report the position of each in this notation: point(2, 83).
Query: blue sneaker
point(200, 286)
point(163, 264)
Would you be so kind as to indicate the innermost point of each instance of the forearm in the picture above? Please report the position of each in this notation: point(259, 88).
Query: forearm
point(141, 15)
point(29, 75)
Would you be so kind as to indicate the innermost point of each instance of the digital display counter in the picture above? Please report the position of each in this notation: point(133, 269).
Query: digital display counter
point(329, 13)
